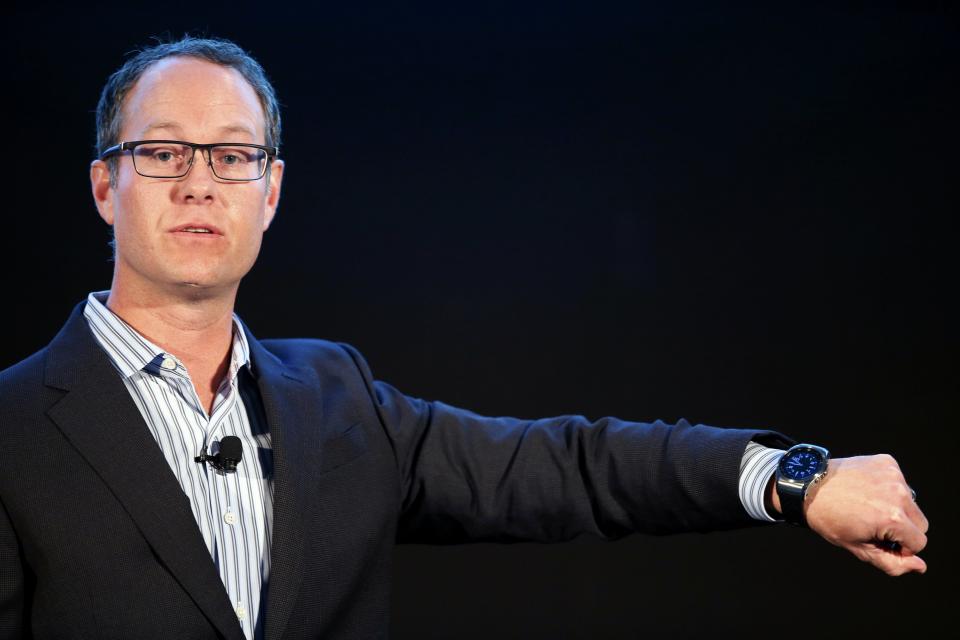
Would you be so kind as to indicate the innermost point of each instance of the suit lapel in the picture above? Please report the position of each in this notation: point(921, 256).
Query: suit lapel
point(290, 402)
point(100, 419)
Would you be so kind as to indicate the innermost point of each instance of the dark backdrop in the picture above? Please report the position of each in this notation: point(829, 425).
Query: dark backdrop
point(739, 214)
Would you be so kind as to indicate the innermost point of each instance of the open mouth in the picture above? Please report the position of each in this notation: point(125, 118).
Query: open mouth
point(197, 230)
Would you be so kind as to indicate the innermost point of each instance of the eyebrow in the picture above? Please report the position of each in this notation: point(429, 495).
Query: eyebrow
point(177, 129)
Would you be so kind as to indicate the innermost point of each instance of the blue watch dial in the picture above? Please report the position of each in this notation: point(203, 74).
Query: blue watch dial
point(800, 464)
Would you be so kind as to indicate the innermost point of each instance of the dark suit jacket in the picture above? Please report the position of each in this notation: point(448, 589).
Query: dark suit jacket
point(97, 539)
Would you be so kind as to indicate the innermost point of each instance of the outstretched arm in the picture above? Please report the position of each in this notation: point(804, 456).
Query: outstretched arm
point(865, 506)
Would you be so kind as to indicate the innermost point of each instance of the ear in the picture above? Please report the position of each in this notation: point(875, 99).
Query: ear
point(102, 190)
point(273, 192)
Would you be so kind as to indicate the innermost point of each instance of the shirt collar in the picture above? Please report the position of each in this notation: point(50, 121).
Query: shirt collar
point(130, 352)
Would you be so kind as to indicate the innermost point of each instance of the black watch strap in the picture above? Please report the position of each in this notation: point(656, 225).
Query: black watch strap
point(791, 504)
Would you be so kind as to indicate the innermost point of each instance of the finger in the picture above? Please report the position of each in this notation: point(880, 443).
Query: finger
point(894, 564)
point(916, 516)
point(903, 530)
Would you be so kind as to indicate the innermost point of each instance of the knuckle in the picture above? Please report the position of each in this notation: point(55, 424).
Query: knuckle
point(889, 461)
point(885, 564)
point(895, 517)
point(902, 491)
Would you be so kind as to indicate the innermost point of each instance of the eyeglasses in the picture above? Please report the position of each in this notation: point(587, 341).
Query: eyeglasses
point(236, 161)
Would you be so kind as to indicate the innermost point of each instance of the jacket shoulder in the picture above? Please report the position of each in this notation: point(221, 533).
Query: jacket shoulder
point(323, 356)
point(26, 374)
point(24, 396)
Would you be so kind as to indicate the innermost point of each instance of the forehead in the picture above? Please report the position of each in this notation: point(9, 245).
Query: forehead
point(192, 98)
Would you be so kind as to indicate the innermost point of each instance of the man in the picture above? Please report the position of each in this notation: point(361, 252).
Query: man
point(115, 496)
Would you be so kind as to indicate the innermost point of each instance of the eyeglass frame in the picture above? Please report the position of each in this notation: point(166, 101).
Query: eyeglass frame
point(130, 145)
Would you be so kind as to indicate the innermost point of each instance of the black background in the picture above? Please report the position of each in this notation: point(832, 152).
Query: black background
point(741, 213)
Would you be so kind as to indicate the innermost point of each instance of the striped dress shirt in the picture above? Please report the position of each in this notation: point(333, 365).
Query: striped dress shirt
point(756, 468)
point(234, 511)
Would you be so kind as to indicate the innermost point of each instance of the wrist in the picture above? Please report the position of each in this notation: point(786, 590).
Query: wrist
point(771, 500)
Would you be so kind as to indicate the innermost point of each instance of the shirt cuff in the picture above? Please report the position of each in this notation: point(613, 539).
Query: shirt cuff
point(756, 467)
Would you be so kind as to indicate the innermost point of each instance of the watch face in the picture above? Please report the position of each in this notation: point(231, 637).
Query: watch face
point(800, 464)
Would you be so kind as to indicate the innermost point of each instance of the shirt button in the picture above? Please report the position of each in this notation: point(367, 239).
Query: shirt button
point(169, 363)
point(241, 612)
point(230, 517)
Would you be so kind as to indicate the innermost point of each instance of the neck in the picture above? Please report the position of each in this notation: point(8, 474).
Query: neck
point(194, 326)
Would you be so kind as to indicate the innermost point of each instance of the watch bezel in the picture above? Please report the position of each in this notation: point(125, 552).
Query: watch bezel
point(793, 491)
point(820, 452)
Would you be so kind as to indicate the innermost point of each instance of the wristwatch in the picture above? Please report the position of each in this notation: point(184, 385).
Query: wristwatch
point(799, 471)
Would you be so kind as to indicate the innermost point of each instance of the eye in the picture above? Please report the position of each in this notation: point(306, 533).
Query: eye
point(160, 154)
point(232, 156)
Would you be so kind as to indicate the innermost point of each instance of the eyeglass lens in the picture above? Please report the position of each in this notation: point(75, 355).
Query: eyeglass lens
point(165, 160)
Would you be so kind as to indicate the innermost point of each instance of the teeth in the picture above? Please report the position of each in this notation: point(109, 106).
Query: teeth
point(195, 230)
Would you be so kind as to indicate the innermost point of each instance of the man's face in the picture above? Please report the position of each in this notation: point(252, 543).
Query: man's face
point(194, 101)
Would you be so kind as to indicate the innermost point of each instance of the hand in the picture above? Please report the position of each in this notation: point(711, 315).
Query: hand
point(864, 505)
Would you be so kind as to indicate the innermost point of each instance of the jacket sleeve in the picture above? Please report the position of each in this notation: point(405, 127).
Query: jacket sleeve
point(466, 477)
point(11, 581)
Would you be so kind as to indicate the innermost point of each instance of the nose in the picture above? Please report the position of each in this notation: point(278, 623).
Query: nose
point(199, 185)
